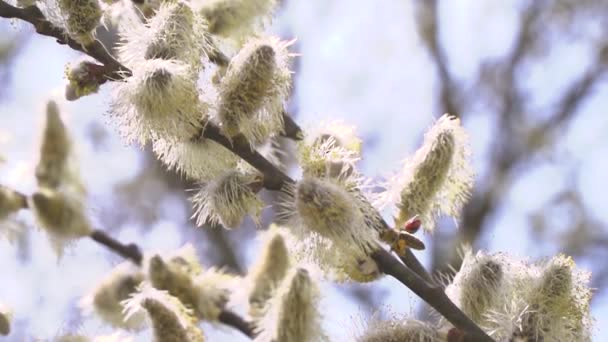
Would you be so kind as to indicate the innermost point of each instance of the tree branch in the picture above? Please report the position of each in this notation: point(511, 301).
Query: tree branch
point(234, 320)
point(96, 50)
point(130, 251)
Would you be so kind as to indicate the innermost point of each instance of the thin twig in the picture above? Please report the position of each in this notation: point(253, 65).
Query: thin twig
point(130, 251)
point(234, 320)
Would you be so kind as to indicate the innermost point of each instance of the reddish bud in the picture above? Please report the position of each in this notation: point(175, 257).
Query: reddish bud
point(412, 225)
point(455, 335)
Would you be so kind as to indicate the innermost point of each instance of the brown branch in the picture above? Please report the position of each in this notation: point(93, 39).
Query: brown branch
point(96, 50)
point(234, 320)
point(130, 251)
point(274, 179)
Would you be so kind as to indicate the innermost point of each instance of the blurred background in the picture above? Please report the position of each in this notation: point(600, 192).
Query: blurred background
point(527, 78)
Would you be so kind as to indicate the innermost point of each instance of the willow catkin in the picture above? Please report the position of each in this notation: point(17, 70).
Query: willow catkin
point(400, 330)
point(227, 199)
point(267, 272)
point(10, 202)
point(5, 320)
point(107, 297)
point(254, 89)
point(479, 285)
point(293, 314)
point(171, 320)
point(330, 229)
point(81, 18)
point(201, 160)
point(160, 100)
point(61, 215)
point(175, 32)
point(235, 19)
point(438, 180)
point(205, 292)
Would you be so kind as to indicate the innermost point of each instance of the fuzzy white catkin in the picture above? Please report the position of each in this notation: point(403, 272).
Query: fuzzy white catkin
point(439, 178)
point(57, 166)
point(399, 330)
point(227, 199)
point(10, 202)
point(81, 18)
point(293, 313)
point(200, 160)
point(80, 81)
point(107, 297)
point(235, 19)
point(478, 285)
point(61, 215)
point(330, 150)
point(160, 100)
point(174, 32)
point(560, 302)
point(546, 301)
point(5, 320)
point(268, 271)
point(326, 208)
point(331, 229)
point(254, 89)
point(206, 292)
point(171, 320)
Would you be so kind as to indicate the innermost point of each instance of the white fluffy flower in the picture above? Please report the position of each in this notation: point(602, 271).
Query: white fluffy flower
point(206, 292)
point(399, 329)
point(236, 19)
point(267, 272)
point(160, 100)
point(479, 285)
point(80, 18)
point(171, 320)
point(439, 178)
point(328, 221)
point(61, 215)
point(175, 32)
point(107, 297)
point(543, 301)
point(293, 313)
point(10, 202)
point(5, 320)
point(227, 199)
point(200, 160)
point(254, 89)
point(57, 166)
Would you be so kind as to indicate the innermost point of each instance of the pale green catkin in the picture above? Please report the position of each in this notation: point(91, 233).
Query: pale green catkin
point(227, 199)
point(5, 320)
point(400, 330)
point(171, 320)
point(55, 148)
point(293, 314)
point(437, 180)
point(267, 273)
point(236, 19)
point(81, 18)
point(107, 297)
point(254, 89)
point(10, 202)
